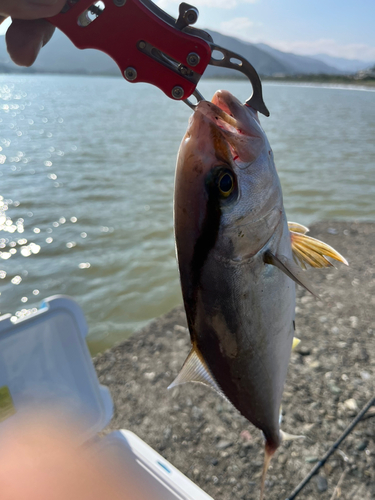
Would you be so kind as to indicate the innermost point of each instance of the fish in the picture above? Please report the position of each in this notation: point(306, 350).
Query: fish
point(239, 261)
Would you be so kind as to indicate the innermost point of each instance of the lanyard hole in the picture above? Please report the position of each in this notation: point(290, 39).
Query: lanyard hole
point(91, 14)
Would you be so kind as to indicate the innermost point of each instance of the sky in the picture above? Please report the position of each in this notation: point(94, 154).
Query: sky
point(340, 28)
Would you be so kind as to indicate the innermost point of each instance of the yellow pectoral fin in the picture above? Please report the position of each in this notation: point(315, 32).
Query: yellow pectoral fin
point(297, 228)
point(307, 250)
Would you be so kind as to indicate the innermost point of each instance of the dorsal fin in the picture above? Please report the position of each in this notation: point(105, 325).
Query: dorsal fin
point(195, 370)
point(289, 268)
point(313, 252)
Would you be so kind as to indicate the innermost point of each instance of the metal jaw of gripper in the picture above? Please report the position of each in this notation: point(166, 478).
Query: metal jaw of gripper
point(232, 60)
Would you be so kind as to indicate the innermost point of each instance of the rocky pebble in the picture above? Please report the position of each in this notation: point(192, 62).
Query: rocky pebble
point(331, 377)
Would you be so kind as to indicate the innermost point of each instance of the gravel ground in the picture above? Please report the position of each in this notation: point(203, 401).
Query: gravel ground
point(331, 376)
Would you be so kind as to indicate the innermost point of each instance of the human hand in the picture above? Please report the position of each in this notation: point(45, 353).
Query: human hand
point(41, 459)
point(29, 32)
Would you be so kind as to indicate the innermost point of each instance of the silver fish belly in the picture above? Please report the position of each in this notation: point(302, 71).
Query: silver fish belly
point(243, 327)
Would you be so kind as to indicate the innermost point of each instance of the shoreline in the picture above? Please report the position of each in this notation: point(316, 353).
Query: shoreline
point(323, 85)
point(318, 80)
point(331, 375)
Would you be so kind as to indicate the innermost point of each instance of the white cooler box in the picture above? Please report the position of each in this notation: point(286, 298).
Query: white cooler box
point(45, 363)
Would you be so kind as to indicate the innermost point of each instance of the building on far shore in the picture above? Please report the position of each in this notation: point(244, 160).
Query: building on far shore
point(366, 74)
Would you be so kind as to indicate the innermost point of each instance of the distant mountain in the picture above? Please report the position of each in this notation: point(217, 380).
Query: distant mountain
point(347, 65)
point(301, 65)
point(60, 55)
point(264, 63)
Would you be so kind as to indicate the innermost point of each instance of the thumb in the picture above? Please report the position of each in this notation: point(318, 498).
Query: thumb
point(25, 39)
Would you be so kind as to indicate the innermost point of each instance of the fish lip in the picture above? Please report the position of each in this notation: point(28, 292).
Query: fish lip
point(219, 107)
point(243, 134)
point(214, 112)
point(206, 111)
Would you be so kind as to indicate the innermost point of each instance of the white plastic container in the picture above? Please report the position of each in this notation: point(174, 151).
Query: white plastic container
point(45, 363)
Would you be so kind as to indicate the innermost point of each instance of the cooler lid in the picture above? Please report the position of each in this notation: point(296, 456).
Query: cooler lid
point(45, 364)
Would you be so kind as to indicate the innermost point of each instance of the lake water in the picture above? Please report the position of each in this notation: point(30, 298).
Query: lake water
point(86, 179)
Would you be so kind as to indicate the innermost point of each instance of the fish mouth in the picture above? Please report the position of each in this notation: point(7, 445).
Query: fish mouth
point(237, 123)
point(220, 116)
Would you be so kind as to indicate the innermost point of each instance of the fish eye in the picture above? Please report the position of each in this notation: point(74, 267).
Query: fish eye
point(221, 183)
point(226, 184)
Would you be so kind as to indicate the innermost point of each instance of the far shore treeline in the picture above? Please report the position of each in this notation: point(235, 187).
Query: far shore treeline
point(367, 79)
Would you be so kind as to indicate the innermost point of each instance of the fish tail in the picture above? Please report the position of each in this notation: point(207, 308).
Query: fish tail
point(270, 447)
point(269, 451)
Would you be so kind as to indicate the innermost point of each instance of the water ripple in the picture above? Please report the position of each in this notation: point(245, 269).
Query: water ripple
point(87, 165)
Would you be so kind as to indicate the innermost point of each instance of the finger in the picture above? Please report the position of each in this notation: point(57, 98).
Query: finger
point(30, 9)
point(26, 38)
point(50, 464)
